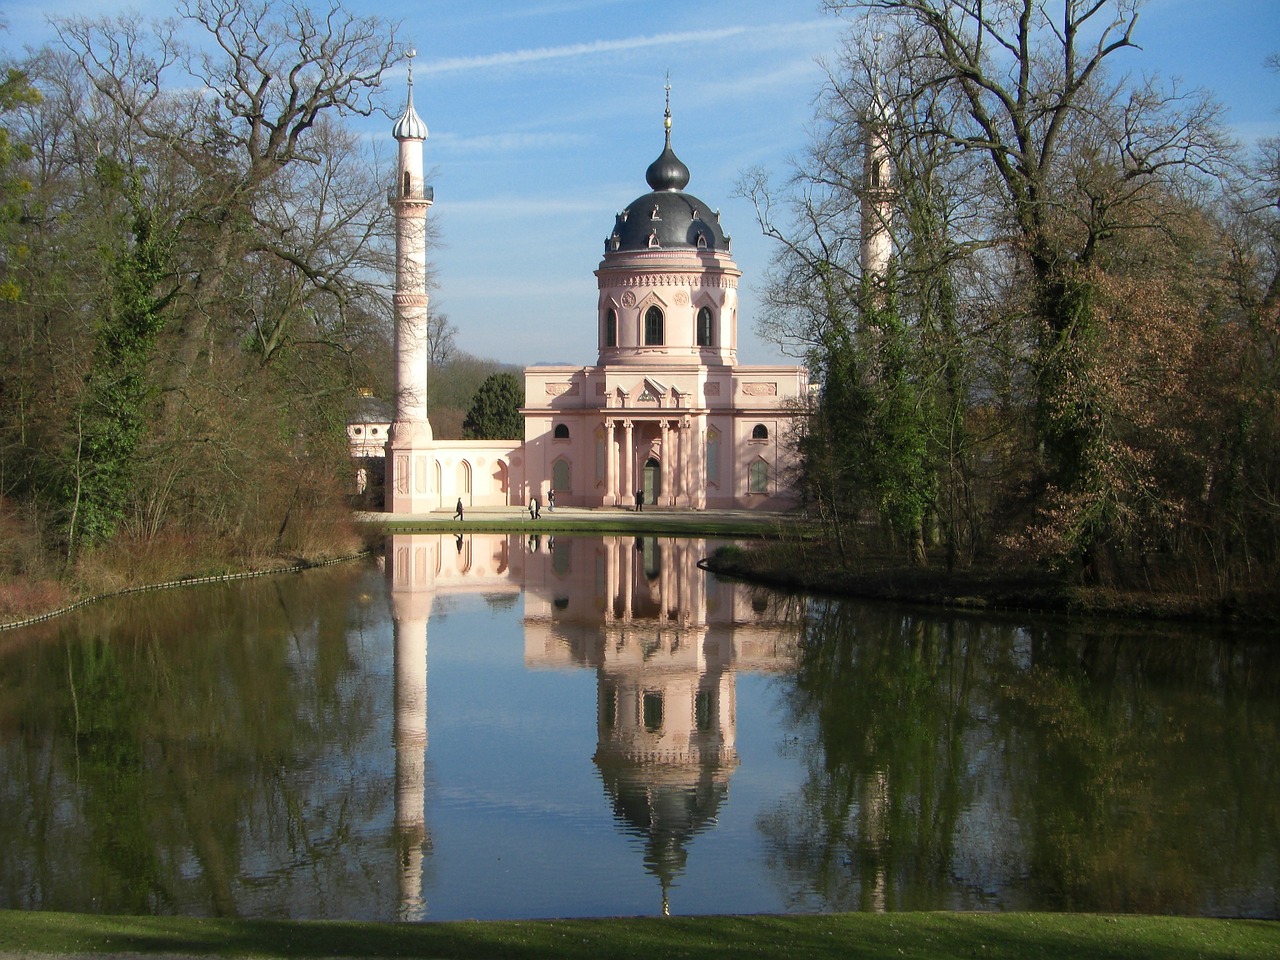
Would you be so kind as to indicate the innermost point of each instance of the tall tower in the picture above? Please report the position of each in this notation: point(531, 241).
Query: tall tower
point(877, 194)
point(409, 478)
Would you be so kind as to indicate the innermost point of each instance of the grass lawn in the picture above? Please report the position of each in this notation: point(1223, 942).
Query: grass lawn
point(862, 935)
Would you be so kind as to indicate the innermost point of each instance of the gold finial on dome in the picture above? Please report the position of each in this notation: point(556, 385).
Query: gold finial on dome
point(666, 116)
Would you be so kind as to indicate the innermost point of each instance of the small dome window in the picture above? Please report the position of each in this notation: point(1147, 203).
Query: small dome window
point(653, 240)
point(702, 240)
point(561, 431)
point(760, 432)
point(656, 214)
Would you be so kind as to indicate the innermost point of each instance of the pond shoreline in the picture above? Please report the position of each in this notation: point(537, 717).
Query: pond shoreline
point(799, 566)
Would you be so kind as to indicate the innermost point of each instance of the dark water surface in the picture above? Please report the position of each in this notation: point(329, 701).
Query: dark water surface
point(498, 727)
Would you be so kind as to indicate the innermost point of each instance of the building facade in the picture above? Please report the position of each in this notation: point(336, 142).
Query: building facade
point(665, 416)
point(666, 413)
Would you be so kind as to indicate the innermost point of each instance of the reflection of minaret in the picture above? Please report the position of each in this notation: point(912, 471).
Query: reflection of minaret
point(420, 566)
point(409, 463)
point(411, 567)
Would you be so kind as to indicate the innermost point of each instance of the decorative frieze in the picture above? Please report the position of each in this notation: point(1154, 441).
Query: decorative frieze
point(718, 281)
point(760, 389)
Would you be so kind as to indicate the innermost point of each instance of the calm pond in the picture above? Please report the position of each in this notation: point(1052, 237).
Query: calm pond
point(494, 726)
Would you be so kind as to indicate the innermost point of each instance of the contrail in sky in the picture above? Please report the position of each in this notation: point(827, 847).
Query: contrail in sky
point(515, 57)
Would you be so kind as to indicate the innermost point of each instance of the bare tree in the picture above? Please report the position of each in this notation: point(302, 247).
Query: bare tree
point(1075, 160)
point(268, 74)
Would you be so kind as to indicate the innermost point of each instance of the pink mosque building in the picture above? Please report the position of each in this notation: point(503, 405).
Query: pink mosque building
point(665, 413)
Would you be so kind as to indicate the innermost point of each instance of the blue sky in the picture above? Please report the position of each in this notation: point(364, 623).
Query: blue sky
point(544, 115)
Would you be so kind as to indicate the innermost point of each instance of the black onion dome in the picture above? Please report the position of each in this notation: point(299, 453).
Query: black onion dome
point(668, 172)
point(667, 220)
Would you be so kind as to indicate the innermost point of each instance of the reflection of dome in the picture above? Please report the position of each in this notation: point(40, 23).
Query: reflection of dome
point(666, 806)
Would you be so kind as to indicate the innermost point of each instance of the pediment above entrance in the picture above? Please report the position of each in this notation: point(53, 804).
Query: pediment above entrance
point(648, 392)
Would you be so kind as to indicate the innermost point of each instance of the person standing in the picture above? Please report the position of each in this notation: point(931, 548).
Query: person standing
point(551, 501)
point(457, 513)
point(639, 500)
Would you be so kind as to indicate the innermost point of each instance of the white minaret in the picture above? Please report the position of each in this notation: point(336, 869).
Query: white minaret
point(409, 458)
point(877, 194)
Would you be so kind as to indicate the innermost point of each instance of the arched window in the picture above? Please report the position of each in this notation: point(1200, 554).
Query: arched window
point(560, 476)
point(760, 432)
point(758, 477)
point(653, 323)
point(611, 328)
point(408, 183)
point(705, 327)
point(561, 431)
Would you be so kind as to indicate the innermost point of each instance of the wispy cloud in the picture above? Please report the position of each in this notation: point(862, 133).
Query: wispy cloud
point(570, 51)
point(508, 142)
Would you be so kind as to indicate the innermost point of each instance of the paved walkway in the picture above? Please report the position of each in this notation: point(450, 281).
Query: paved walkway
point(582, 515)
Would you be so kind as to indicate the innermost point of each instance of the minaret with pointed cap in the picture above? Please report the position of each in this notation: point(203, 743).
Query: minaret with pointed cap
point(409, 473)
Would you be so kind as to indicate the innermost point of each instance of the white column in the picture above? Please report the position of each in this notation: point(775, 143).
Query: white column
point(611, 464)
point(628, 461)
point(668, 455)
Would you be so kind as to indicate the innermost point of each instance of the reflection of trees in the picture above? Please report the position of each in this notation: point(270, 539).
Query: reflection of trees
point(952, 763)
point(887, 699)
point(1150, 766)
point(183, 776)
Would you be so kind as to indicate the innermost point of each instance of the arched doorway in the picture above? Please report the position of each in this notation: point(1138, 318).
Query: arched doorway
point(652, 480)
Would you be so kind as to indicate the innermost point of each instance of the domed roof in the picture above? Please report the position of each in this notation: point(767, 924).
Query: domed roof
point(410, 125)
point(668, 218)
point(668, 172)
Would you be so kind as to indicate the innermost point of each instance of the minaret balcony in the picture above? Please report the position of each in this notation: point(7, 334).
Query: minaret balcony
point(420, 195)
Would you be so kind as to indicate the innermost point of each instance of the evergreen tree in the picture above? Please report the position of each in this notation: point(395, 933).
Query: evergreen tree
point(495, 410)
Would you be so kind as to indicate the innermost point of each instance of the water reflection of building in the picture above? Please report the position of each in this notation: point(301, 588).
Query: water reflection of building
point(666, 641)
point(418, 569)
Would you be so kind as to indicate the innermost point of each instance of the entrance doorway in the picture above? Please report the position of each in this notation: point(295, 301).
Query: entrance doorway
point(652, 480)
